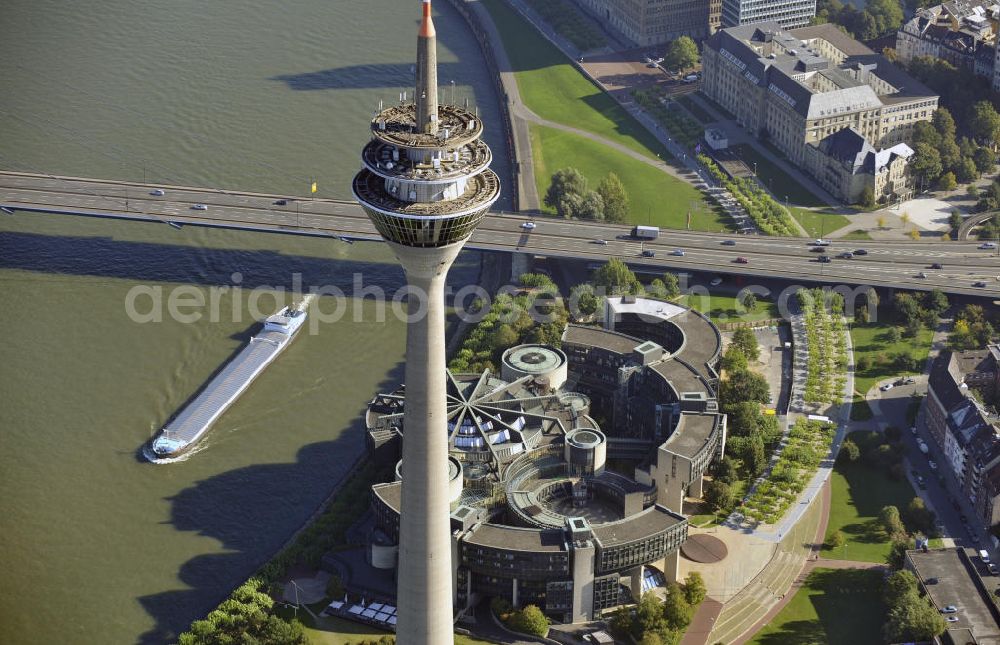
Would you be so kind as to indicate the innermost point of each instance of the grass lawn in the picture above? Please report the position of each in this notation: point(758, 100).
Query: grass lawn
point(553, 89)
point(655, 198)
point(779, 182)
point(859, 492)
point(870, 342)
point(337, 631)
point(835, 606)
point(724, 308)
point(856, 235)
point(818, 223)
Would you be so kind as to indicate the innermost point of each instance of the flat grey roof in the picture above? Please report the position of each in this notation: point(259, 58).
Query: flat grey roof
point(682, 377)
point(654, 519)
point(956, 586)
point(691, 434)
point(702, 341)
point(596, 337)
point(498, 536)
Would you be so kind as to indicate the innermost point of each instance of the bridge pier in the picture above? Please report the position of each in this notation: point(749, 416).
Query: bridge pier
point(520, 263)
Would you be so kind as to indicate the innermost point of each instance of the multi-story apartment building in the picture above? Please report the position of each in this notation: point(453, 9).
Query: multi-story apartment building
point(965, 432)
point(787, 13)
point(651, 22)
point(801, 87)
point(954, 31)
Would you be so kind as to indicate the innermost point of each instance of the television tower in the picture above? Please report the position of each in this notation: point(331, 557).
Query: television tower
point(426, 185)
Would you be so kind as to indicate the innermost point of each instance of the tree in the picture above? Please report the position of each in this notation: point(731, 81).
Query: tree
point(621, 621)
point(985, 161)
point(947, 181)
point(746, 340)
point(881, 222)
point(914, 234)
point(757, 459)
point(891, 523)
point(591, 207)
point(749, 301)
point(926, 162)
point(725, 470)
point(893, 335)
point(676, 609)
point(650, 638)
point(985, 123)
point(744, 386)
point(734, 360)
point(966, 170)
point(935, 301)
point(530, 620)
point(912, 619)
point(566, 190)
point(898, 587)
point(672, 284)
point(682, 54)
point(955, 219)
point(719, 495)
point(849, 451)
point(504, 337)
point(918, 516)
point(694, 589)
point(649, 615)
point(616, 278)
point(836, 540)
point(904, 218)
point(867, 198)
point(612, 191)
point(944, 124)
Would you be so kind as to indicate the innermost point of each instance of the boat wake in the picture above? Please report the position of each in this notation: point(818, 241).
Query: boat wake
point(151, 457)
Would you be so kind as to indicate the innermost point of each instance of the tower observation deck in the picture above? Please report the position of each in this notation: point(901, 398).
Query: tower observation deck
point(425, 184)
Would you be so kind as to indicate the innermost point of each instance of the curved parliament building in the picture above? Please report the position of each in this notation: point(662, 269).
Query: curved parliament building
point(537, 516)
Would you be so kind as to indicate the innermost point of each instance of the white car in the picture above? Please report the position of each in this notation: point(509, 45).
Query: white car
point(715, 282)
point(886, 387)
point(157, 192)
point(601, 242)
point(528, 226)
point(200, 207)
point(988, 245)
point(678, 252)
point(932, 464)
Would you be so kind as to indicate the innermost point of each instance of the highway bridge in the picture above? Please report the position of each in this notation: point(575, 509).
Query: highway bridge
point(886, 264)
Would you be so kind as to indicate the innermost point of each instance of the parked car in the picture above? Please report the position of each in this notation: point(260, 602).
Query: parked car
point(200, 207)
point(715, 282)
point(952, 619)
point(528, 226)
point(886, 387)
point(931, 581)
point(932, 464)
point(921, 483)
point(909, 380)
point(992, 568)
point(691, 78)
point(950, 609)
point(157, 192)
point(913, 430)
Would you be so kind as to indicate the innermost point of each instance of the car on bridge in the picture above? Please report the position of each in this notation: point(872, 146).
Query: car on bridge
point(987, 245)
point(728, 242)
point(979, 284)
point(280, 202)
point(921, 275)
point(157, 192)
point(937, 265)
point(648, 254)
point(678, 252)
point(860, 252)
point(825, 259)
point(199, 207)
point(820, 242)
point(742, 260)
point(601, 242)
point(846, 255)
point(528, 226)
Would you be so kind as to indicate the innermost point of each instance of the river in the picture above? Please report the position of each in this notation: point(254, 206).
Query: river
point(100, 546)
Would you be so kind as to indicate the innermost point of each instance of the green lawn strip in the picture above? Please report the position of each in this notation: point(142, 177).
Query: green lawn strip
point(807, 444)
point(856, 235)
point(826, 333)
point(570, 23)
point(859, 492)
point(870, 341)
point(696, 110)
point(817, 223)
point(779, 182)
point(555, 90)
point(834, 606)
point(724, 308)
point(655, 198)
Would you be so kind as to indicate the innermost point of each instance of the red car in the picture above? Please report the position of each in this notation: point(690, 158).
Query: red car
point(742, 260)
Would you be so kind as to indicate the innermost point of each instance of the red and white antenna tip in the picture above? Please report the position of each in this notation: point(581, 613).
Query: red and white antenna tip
point(427, 25)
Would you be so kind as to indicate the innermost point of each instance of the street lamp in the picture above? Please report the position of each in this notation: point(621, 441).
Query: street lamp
point(754, 168)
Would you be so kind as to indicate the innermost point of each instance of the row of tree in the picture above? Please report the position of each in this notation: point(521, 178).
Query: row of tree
point(661, 623)
point(569, 196)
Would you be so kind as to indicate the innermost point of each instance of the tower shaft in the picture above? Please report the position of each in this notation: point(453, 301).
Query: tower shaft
point(424, 588)
point(426, 94)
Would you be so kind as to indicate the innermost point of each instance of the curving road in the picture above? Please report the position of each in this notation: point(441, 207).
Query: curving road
point(887, 264)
